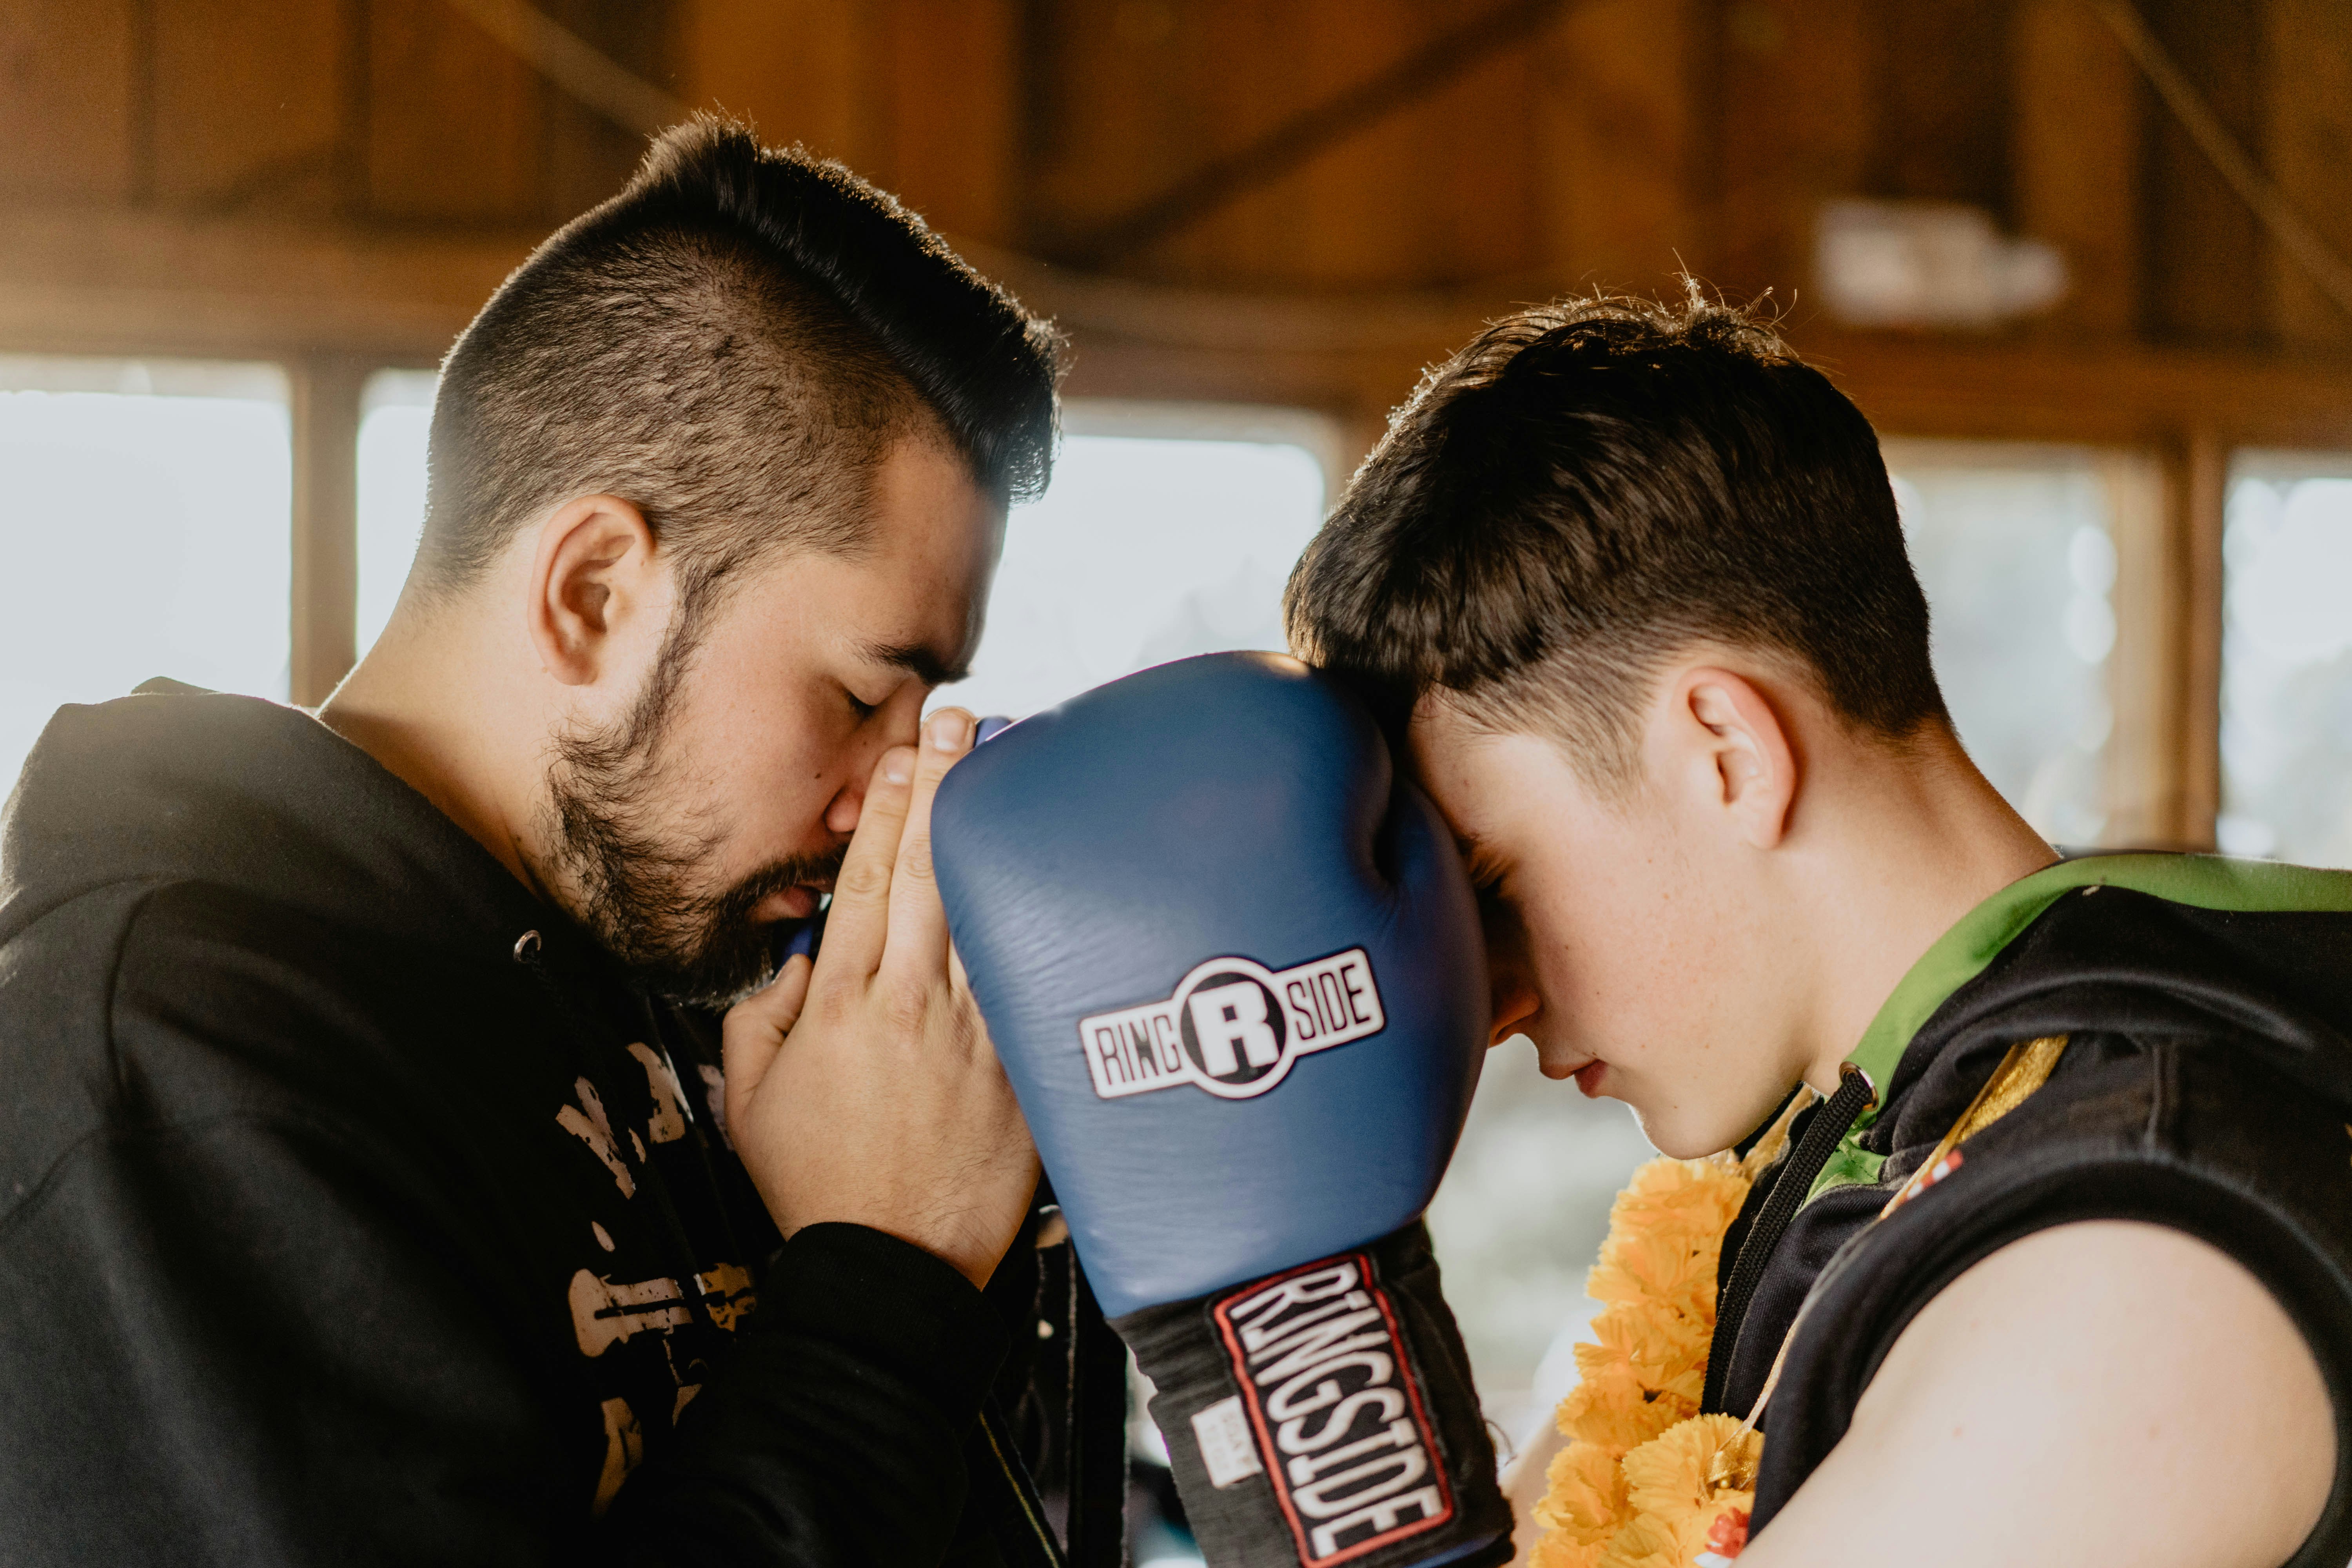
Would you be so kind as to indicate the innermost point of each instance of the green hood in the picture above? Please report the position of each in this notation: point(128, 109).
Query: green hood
point(1961, 953)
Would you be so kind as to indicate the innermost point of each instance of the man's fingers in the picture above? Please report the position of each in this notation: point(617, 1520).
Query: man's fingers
point(860, 917)
point(777, 1004)
point(755, 1028)
point(917, 947)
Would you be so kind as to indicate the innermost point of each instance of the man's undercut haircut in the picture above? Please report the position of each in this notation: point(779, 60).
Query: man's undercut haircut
point(731, 344)
point(1594, 485)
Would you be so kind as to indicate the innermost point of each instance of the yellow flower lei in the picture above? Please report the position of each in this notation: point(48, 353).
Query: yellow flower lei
point(1646, 1482)
point(1633, 1488)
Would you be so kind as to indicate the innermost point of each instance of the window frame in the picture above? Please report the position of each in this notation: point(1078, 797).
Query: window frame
point(2169, 721)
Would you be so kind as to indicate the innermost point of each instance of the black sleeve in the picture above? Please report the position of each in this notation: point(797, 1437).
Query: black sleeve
point(217, 1344)
point(269, 1311)
point(221, 1343)
point(836, 1434)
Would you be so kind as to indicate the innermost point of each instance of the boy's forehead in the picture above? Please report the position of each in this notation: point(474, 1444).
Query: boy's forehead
point(1437, 742)
point(1438, 716)
point(1477, 774)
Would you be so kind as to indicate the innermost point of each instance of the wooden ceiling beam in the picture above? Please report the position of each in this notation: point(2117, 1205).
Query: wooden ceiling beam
point(79, 281)
point(1225, 179)
point(82, 281)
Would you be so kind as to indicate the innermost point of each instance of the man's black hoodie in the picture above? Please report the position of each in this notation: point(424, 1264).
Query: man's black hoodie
point(354, 1210)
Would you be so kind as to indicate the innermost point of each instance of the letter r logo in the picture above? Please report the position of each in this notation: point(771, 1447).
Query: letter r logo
point(1231, 1026)
point(1233, 1016)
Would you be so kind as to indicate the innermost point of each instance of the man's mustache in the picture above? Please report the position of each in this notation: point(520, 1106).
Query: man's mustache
point(815, 871)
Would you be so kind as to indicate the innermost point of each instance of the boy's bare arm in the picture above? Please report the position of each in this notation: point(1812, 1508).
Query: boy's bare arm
point(2097, 1393)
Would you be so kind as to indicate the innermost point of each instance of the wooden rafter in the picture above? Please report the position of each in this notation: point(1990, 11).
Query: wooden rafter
point(1299, 140)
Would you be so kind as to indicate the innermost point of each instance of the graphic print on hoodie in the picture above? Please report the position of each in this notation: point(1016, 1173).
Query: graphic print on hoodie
point(352, 1208)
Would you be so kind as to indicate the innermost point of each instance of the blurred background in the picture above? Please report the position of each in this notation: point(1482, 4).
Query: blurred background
point(2082, 263)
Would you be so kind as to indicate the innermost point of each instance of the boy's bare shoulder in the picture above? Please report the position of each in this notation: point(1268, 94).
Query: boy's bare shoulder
point(2129, 1391)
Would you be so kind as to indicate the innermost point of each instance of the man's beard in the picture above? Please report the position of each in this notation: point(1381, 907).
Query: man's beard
point(645, 889)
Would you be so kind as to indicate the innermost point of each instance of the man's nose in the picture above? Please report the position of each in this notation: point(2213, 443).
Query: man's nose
point(896, 725)
point(842, 812)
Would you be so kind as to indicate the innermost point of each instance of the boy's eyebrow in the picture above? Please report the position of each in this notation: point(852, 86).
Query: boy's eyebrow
point(1478, 858)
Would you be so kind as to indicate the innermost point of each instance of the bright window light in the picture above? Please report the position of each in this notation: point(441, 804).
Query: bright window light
point(148, 531)
point(2286, 659)
point(1518, 1219)
point(1167, 531)
point(396, 409)
point(2015, 548)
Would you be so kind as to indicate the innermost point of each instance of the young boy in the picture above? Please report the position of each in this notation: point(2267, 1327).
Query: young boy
point(1628, 582)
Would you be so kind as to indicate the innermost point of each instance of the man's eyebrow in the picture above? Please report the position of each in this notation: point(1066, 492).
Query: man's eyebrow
point(922, 662)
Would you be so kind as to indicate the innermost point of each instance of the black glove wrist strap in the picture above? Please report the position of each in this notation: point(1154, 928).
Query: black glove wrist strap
point(1325, 1416)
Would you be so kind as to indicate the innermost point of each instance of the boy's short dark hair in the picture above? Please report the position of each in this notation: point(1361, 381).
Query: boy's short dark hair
point(1592, 486)
point(731, 344)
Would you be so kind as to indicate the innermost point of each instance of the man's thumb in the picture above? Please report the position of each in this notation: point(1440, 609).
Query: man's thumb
point(755, 1030)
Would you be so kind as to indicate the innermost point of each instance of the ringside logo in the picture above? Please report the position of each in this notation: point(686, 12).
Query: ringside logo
point(1334, 1410)
point(1234, 1027)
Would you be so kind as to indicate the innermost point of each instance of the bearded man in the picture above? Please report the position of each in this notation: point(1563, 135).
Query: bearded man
point(364, 1194)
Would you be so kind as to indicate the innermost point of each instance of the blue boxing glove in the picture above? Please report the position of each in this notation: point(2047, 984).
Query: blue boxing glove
point(1232, 967)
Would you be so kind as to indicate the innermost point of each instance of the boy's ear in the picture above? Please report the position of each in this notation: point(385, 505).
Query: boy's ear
point(1739, 739)
point(591, 573)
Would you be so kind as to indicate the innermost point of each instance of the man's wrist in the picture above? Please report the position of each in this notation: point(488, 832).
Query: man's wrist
point(971, 1258)
point(887, 1301)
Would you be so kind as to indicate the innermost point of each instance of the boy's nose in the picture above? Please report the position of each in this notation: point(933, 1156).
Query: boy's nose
point(1514, 1002)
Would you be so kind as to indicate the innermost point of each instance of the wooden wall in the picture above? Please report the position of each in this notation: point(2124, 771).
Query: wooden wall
point(1616, 143)
point(399, 111)
point(1622, 143)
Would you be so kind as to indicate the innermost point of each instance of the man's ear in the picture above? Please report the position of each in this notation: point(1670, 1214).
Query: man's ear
point(1733, 727)
point(593, 579)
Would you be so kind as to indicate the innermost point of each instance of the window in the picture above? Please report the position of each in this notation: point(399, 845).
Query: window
point(1518, 1223)
point(2287, 658)
point(396, 409)
point(149, 533)
point(1168, 529)
point(2017, 551)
